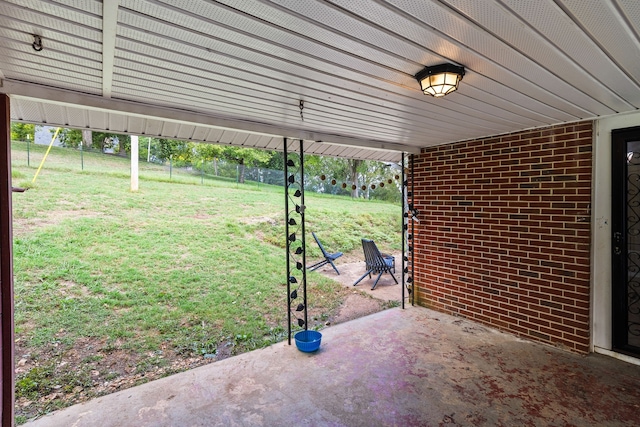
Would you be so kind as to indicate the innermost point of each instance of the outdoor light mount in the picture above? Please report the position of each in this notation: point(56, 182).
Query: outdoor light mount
point(37, 43)
point(440, 80)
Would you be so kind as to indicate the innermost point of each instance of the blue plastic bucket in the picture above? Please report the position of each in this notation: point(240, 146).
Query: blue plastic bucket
point(308, 341)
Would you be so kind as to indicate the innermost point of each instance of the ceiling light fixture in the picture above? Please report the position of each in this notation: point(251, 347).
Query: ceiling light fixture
point(440, 80)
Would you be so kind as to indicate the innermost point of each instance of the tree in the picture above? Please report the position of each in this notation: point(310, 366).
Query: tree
point(354, 166)
point(209, 152)
point(331, 168)
point(103, 140)
point(22, 131)
point(70, 138)
point(87, 138)
point(177, 150)
point(246, 157)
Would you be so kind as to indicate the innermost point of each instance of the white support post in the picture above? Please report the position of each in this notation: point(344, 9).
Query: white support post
point(134, 162)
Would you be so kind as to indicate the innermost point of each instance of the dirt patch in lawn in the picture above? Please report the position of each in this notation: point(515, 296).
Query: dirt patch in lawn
point(24, 226)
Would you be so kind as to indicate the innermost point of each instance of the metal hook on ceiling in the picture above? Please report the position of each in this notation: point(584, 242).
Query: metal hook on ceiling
point(37, 43)
point(301, 108)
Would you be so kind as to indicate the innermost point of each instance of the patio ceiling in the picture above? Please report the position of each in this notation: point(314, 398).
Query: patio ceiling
point(236, 71)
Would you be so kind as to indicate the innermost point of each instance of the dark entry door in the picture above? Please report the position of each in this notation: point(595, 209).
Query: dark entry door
point(625, 211)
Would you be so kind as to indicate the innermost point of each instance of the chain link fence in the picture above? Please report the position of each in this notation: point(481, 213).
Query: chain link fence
point(26, 153)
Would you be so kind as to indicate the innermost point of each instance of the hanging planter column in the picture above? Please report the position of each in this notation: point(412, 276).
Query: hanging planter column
point(295, 237)
point(409, 214)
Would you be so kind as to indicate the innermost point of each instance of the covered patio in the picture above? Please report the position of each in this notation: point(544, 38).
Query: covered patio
point(412, 367)
point(512, 175)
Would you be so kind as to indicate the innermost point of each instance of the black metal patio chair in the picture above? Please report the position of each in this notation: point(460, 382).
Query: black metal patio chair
point(328, 257)
point(376, 262)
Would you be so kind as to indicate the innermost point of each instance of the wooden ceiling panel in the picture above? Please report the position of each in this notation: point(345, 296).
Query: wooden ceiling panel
point(234, 72)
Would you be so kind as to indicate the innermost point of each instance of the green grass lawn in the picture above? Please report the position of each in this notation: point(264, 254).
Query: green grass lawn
point(114, 288)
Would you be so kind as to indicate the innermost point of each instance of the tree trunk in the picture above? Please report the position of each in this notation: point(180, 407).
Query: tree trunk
point(86, 138)
point(215, 166)
point(241, 173)
point(353, 176)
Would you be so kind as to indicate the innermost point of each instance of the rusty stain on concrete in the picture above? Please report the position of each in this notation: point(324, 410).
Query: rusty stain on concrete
point(412, 367)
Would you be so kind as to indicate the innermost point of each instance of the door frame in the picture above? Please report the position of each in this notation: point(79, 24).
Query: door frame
point(601, 232)
point(620, 241)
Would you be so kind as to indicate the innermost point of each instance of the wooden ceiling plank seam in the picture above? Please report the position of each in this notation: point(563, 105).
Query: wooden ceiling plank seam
point(322, 21)
point(481, 120)
point(516, 64)
point(85, 116)
point(393, 91)
point(53, 95)
point(391, 88)
point(215, 20)
point(26, 61)
point(17, 108)
point(623, 49)
point(252, 106)
point(65, 115)
point(328, 95)
point(70, 17)
point(43, 82)
point(216, 134)
point(551, 57)
point(268, 55)
point(50, 37)
point(493, 117)
point(336, 125)
point(466, 54)
point(56, 49)
point(184, 131)
point(376, 103)
point(136, 69)
point(373, 133)
point(52, 75)
point(493, 90)
point(471, 61)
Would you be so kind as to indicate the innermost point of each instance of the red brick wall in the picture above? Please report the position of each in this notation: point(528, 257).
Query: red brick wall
point(504, 232)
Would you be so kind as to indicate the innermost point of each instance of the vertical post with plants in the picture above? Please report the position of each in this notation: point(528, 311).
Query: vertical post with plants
point(295, 238)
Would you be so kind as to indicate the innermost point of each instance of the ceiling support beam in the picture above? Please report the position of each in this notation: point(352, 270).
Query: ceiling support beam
point(80, 100)
point(109, 25)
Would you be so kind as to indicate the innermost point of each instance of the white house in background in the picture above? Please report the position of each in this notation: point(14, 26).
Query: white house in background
point(43, 135)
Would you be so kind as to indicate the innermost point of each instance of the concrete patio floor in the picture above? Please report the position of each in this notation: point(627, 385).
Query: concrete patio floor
point(412, 367)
